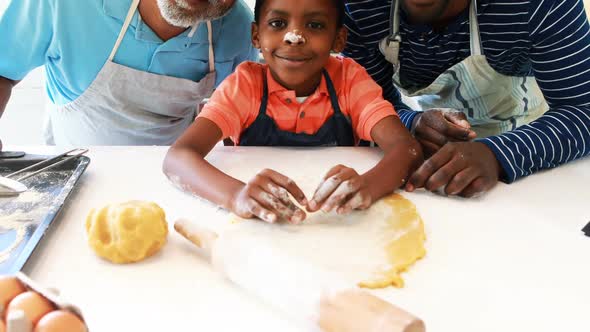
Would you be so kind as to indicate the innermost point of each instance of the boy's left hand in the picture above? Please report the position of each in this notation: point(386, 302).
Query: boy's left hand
point(342, 189)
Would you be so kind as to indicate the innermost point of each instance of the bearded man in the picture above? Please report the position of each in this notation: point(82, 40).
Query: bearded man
point(122, 72)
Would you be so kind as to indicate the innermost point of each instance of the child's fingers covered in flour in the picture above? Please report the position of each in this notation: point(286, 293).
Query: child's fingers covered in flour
point(267, 196)
point(343, 190)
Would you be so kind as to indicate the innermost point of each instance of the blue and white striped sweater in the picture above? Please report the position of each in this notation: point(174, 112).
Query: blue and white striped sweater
point(547, 39)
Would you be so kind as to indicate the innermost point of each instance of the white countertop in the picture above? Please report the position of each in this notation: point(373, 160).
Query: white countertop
point(512, 260)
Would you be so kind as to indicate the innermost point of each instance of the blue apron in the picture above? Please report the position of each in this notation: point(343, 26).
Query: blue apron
point(336, 131)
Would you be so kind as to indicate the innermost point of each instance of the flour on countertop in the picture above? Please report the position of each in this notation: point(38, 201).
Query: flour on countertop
point(46, 194)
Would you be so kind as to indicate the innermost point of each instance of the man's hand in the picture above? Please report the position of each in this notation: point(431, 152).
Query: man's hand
point(342, 189)
point(461, 168)
point(266, 196)
point(435, 127)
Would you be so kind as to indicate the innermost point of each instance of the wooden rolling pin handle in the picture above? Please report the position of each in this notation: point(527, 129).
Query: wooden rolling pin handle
point(199, 236)
point(356, 310)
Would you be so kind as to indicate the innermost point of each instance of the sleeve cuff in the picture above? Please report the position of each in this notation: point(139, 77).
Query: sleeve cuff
point(219, 119)
point(407, 117)
point(509, 175)
point(372, 120)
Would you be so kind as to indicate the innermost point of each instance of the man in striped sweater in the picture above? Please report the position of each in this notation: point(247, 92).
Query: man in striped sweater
point(504, 85)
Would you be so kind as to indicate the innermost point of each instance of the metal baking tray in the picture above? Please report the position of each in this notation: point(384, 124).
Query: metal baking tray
point(25, 219)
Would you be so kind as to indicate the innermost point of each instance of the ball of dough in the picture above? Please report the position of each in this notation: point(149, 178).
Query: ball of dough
point(127, 232)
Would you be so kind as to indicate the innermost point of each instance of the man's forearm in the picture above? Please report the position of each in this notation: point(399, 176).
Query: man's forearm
point(6, 86)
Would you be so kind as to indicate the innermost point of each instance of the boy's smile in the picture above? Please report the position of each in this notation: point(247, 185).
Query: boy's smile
point(296, 38)
point(293, 59)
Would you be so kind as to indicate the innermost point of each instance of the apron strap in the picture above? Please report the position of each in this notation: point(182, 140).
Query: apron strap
point(341, 124)
point(123, 31)
point(210, 39)
point(194, 29)
point(394, 20)
point(332, 93)
point(474, 36)
point(264, 101)
point(211, 53)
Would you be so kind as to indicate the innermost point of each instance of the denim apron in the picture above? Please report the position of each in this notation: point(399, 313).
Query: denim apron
point(336, 131)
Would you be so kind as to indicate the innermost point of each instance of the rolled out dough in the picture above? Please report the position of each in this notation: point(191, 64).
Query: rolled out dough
point(369, 248)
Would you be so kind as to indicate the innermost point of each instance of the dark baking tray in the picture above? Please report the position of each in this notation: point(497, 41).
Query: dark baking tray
point(35, 210)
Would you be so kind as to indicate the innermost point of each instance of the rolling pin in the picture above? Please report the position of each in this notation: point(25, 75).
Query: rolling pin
point(301, 290)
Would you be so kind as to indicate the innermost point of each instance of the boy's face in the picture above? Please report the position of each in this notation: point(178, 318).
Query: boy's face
point(296, 37)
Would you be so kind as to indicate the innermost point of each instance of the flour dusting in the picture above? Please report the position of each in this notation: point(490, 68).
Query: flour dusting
point(23, 213)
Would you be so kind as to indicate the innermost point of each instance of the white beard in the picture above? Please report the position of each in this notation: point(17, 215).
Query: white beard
point(181, 14)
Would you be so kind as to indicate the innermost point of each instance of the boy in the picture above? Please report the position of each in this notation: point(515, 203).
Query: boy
point(302, 96)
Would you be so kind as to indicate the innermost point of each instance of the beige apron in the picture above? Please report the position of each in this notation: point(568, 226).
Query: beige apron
point(125, 106)
point(493, 103)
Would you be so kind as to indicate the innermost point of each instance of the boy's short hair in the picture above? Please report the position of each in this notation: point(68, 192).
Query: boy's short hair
point(338, 3)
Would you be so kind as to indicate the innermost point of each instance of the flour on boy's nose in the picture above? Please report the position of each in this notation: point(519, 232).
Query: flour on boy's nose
point(294, 37)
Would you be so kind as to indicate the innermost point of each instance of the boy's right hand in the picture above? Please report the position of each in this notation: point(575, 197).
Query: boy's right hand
point(266, 196)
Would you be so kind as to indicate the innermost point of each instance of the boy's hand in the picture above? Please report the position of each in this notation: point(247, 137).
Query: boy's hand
point(343, 189)
point(266, 196)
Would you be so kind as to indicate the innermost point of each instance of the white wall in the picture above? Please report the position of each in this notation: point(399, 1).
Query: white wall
point(251, 3)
